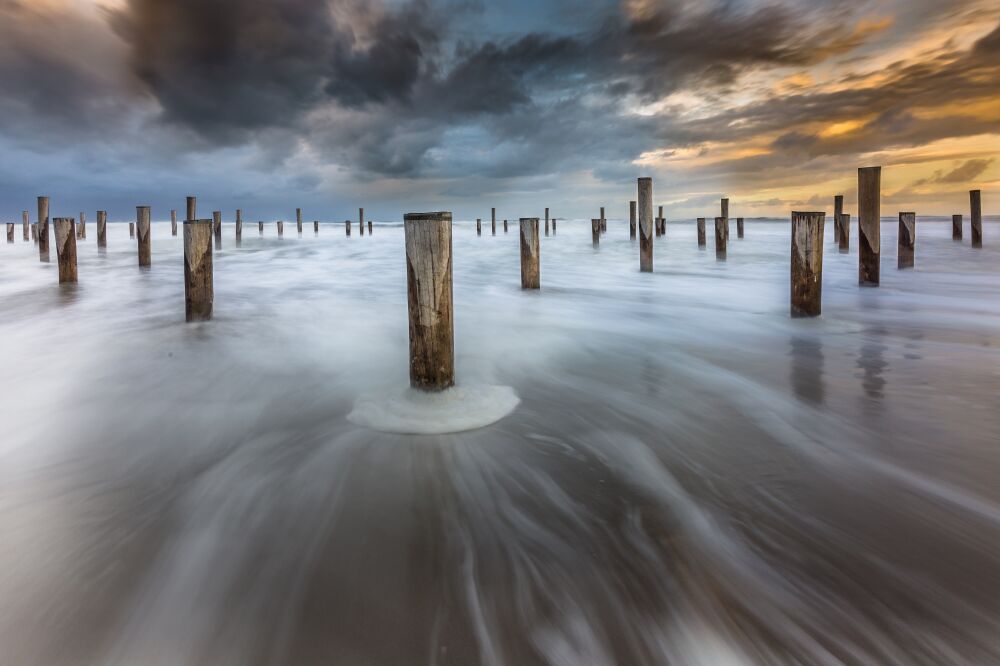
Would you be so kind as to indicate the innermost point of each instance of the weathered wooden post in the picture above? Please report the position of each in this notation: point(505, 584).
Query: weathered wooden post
point(43, 228)
point(739, 227)
point(493, 229)
point(369, 226)
point(907, 239)
point(976, 204)
point(102, 229)
point(192, 208)
point(845, 233)
point(645, 204)
point(546, 223)
point(956, 227)
point(347, 227)
point(701, 232)
point(34, 232)
point(217, 227)
point(173, 222)
point(869, 224)
point(662, 221)
point(429, 300)
point(260, 227)
point(479, 227)
point(281, 228)
point(505, 227)
point(361, 221)
point(239, 224)
point(66, 248)
point(807, 264)
point(10, 232)
point(720, 238)
point(838, 210)
point(81, 227)
point(631, 220)
point(553, 226)
point(725, 214)
point(604, 221)
point(493, 217)
point(298, 220)
point(131, 230)
point(530, 274)
point(316, 226)
point(25, 224)
point(142, 219)
point(595, 231)
point(199, 292)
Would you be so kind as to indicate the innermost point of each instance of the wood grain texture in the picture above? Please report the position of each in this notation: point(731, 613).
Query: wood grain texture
point(838, 210)
point(976, 217)
point(43, 228)
point(907, 240)
point(199, 291)
point(173, 222)
point(192, 208)
point(142, 220)
point(239, 224)
point(869, 225)
point(845, 233)
point(720, 238)
point(26, 226)
point(298, 220)
point(217, 228)
point(81, 226)
point(956, 227)
point(429, 300)
point(34, 232)
point(807, 264)
point(102, 228)
point(530, 259)
point(595, 231)
point(631, 220)
point(725, 215)
point(645, 211)
point(701, 232)
point(65, 234)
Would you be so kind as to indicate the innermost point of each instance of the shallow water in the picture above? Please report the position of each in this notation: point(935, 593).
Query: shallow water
point(691, 477)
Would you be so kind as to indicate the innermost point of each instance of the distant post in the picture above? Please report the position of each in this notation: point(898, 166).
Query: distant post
point(479, 227)
point(81, 228)
point(131, 230)
point(956, 227)
point(631, 220)
point(192, 208)
point(10, 232)
point(173, 222)
point(493, 217)
point(546, 222)
point(645, 205)
point(725, 214)
point(298, 220)
point(260, 227)
point(720, 238)
point(739, 227)
point(807, 264)
point(315, 226)
point(361, 221)
point(239, 224)
point(976, 204)
point(66, 248)
point(530, 274)
point(505, 227)
point(281, 228)
point(43, 228)
point(662, 223)
point(198, 288)
point(142, 226)
point(347, 228)
point(217, 227)
point(869, 219)
point(595, 231)
point(369, 226)
point(429, 300)
point(102, 229)
point(838, 210)
point(25, 224)
point(493, 229)
point(604, 221)
point(34, 232)
point(907, 239)
point(701, 232)
point(845, 233)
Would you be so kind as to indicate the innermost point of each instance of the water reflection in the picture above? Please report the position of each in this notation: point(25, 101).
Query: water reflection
point(807, 368)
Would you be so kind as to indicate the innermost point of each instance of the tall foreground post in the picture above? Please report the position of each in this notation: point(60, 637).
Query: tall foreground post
point(907, 239)
point(631, 220)
point(298, 220)
point(720, 237)
point(173, 222)
point(645, 204)
point(838, 210)
point(845, 233)
point(25, 225)
point(142, 227)
point(429, 300)
point(869, 229)
point(192, 208)
point(530, 274)
point(199, 291)
point(807, 264)
point(595, 231)
point(239, 224)
point(66, 248)
point(102, 229)
point(43, 228)
point(956, 227)
point(701, 232)
point(976, 204)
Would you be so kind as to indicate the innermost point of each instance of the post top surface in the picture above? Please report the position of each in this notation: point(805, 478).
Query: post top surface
point(799, 213)
point(436, 216)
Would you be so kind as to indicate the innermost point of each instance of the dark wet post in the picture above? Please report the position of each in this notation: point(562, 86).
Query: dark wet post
point(976, 204)
point(173, 222)
point(142, 225)
point(493, 226)
point(661, 221)
point(645, 205)
point(553, 226)
point(43, 228)
point(369, 227)
point(192, 208)
point(956, 227)
point(199, 292)
point(66, 248)
point(479, 227)
point(102, 229)
point(807, 264)
point(604, 221)
point(298, 220)
point(869, 219)
point(546, 223)
point(25, 224)
point(217, 227)
point(530, 274)
point(239, 224)
point(720, 238)
point(838, 210)
point(595, 231)
point(845, 233)
point(10, 232)
point(429, 300)
point(315, 226)
point(131, 229)
point(347, 228)
point(701, 232)
point(361, 221)
point(493, 217)
point(260, 227)
point(34, 232)
point(725, 215)
point(739, 227)
point(631, 220)
point(281, 228)
point(907, 239)
point(505, 227)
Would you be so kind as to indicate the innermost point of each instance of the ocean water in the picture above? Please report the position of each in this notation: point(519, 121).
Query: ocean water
point(689, 476)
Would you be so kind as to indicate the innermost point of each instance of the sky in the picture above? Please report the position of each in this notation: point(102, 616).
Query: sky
point(461, 105)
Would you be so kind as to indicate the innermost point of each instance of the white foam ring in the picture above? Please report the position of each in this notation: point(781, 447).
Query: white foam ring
point(413, 412)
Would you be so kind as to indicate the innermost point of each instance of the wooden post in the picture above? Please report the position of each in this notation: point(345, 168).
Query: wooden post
point(956, 227)
point(173, 222)
point(725, 215)
point(239, 224)
point(369, 227)
point(739, 227)
point(10, 232)
point(645, 205)
point(546, 223)
point(604, 221)
point(720, 238)
point(361, 221)
point(429, 300)
point(493, 230)
point(595, 231)
point(315, 226)
point(199, 292)
point(347, 227)
point(142, 226)
point(66, 248)
point(553, 226)
point(281, 228)
point(43, 228)
point(192, 208)
point(869, 229)
point(505, 227)
point(479, 227)
point(845, 233)
point(701, 232)
point(530, 274)
point(631, 220)
point(907, 239)
point(34, 232)
point(25, 224)
point(976, 204)
point(493, 217)
point(217, 227)
point(260, 227)
point(131, 229)
point(81, 226)
point(298, 220)
point(102, 229)
point(838, 210)
point(807, 264)
point(662, 221)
